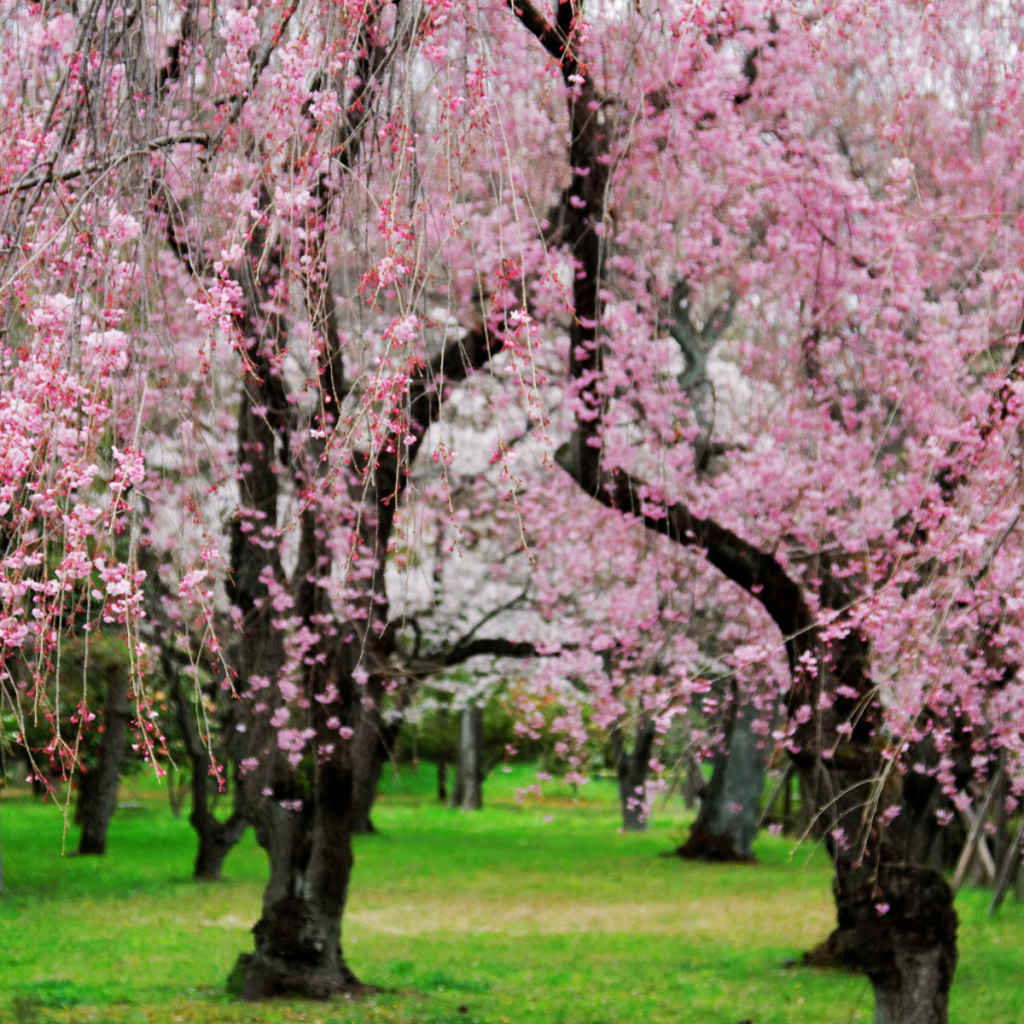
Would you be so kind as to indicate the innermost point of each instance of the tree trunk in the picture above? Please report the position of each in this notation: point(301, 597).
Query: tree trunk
point(694, 784)
point(216, 838)
point(442, 758)
point(908, 952)
point(298, 937)
point(631, 768)
point(98, 787)
point(373, 745)
point(468, 794)
point(727, 820)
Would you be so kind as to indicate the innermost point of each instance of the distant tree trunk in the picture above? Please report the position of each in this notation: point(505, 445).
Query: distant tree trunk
point(1001, 839)
point(372, 747)
point(442, 759)
point(216, 838)
point(467, 793)
point(727, 820)
point(176, 791)
point(694, 785)
point(631, 768)
point(98, 787)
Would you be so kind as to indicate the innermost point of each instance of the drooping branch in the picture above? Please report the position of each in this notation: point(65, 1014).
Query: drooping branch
point(48, 176)
point(756, 571)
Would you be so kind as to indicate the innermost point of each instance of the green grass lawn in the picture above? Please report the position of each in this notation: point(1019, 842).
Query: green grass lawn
point(517, 914)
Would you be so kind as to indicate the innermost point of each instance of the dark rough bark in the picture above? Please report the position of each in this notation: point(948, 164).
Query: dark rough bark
point(468, 793)
point(367, 758)
point(909, 952)
point(98, 786)
point(721, 832)
point(298, 937)
point(631, 769)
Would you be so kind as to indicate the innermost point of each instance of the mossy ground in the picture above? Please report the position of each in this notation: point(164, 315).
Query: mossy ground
point(515, 915)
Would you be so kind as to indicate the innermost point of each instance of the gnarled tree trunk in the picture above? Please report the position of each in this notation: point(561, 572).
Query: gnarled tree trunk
point(895, 917)
point(898, 926)
point(304, 824)
point(309, 846)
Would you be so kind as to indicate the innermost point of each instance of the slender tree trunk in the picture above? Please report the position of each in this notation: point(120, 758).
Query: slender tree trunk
point(442, 759)
point(373, 746)
point(468, 794)
point(98, 787)
point(631, 769)
point(727, 820)
point(694, 785)
point(176, 791)
point(216, 838)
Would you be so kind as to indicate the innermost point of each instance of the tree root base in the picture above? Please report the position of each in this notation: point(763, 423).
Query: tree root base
point(256, 978)
point(715, 849)
point(834, 952)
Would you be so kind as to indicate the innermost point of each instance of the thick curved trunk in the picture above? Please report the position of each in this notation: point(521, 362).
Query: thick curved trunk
point(727, 820)
point(98, 787)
